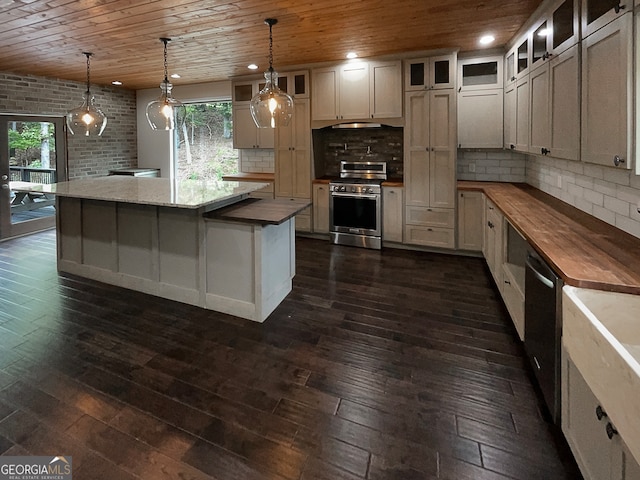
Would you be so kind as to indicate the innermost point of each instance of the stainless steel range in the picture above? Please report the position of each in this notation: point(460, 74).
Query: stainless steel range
point(355, 204)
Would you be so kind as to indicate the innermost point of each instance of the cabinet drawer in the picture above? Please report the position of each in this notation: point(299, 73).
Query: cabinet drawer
point(434, 217)
point(429, 236)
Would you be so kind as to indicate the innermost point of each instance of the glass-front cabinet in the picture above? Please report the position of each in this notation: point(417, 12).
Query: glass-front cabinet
point(598, 13)
point(429, 73)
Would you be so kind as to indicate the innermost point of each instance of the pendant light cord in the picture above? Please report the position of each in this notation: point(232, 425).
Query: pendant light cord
point(88, 54)
point(271, 22)
point(165, 41)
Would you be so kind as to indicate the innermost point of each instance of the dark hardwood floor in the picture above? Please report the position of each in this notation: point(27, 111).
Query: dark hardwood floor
point(379, 365)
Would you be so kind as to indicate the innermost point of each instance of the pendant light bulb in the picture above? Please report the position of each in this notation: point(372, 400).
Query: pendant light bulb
point(271, 107)
point(87, 119)
point(165, 111)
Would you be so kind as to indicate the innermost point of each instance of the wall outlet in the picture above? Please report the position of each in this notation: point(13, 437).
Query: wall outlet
point(559, 180)
point(472, 167)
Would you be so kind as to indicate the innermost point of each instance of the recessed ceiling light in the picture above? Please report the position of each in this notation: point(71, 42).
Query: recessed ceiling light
point(487, 39)
point(175, 75)
point(116, 82)
point(253, 66)
point(352, 55)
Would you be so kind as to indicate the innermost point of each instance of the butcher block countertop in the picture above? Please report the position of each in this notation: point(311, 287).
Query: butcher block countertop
point(585, 251)
point(260, 211)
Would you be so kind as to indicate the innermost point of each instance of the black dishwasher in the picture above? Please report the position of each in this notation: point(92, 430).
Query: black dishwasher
point(543, 328)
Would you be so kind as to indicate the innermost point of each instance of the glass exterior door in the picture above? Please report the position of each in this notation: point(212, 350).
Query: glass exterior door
point(32, 153)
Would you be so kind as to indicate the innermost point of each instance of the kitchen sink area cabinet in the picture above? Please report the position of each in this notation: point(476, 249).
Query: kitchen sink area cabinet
point(392, 213)
point(429, 143)
point(357, 90)
point(585, 423)
point(470, 221)
point(321, 208)
point(293, 160)
point(607, 82)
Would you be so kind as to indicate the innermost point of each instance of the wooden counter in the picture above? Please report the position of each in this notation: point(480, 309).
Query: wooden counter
point(262, 212)
point(585, 251)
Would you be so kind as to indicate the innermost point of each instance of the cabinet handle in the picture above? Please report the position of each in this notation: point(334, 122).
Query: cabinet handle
point(507, 282)
point(545, 151)
point(546, 55)
point(611, 431)
point(513, 78)
point(600, 413)
point(617, 160)
point(490, 224)
point(512, 146)
point(617, 9)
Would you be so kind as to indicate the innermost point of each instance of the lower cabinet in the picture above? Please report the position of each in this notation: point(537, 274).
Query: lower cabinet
point(600, 452)
point(392, 214)
point(321, 208)
point(433, 227)
point(470, 221)
point(493, 246)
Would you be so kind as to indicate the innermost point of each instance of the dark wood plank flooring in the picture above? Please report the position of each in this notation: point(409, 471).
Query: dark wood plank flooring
point(379, 365)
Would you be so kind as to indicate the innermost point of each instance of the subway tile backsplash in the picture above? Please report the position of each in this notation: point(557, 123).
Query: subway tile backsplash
point(260, 160)
point(491, 165)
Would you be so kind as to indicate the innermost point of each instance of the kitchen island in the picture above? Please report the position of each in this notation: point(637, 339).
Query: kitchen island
point(177, 241)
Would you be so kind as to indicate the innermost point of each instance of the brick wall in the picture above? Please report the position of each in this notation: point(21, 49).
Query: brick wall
point(88, 156)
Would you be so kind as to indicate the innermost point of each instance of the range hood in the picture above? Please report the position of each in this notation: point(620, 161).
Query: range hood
point(357, 125)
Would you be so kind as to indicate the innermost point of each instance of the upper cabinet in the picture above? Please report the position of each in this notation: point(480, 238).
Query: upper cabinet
point(598, 13)
point(295, 84)
point(555, 32)
point(481, 73)
point(357, 90)
point(607, 80)
point(429, 73)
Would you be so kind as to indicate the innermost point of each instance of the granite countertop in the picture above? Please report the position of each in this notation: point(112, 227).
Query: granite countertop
point(191, 194)
point(250, 177)
point(585, 251)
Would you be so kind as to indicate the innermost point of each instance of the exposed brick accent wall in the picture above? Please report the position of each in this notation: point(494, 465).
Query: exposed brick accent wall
point(116, 148)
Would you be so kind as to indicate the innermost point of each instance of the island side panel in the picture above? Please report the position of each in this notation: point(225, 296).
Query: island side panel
point(99, 248)
point(138, 241)
point(178, 237)
point(69, 229)
point(277, 264)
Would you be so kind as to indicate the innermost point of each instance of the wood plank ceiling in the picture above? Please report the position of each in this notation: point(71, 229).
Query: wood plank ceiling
point(217, 39)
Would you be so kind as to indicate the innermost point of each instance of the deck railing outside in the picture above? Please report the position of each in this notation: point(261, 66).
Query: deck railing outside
point(33, 175)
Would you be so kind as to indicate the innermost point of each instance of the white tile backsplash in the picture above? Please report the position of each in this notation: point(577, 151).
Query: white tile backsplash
point(259, 160)
point(491, 165)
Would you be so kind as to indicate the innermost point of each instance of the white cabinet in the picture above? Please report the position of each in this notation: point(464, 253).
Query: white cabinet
point(493, 245)
point(429, 73)
point(480, 118)
point(429, 144)
point(510, 116)
point(607, 82)
point(295, 84)
point(385, 89)
point(245, 132)
point(321, 208)
point(521, 134)
point(555, 107)
point(554, 32)
point(598, 13)
point(585, 425)
point(480, 102)
point(293, 160)
point(470, 221)
point(392, 213)
point(357, 90)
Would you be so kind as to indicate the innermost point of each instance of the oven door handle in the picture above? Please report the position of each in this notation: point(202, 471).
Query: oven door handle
point(351, 195)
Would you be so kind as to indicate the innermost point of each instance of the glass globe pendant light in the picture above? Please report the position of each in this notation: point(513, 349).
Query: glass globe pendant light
point(163, 111)
point(271, 107)
point(87, 119)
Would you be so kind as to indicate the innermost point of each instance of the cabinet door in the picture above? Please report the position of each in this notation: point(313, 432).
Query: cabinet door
point(244, 128)
point(442, 72)
point(522, 114)
point(539, 120)
point(563, 26)
point(522, 58)
point(416, 74)
point(630, 466)
point(540, 44)
point(442, 132)
point(480, 119)
point(510, 116)
point(598, 13)
point(325, 93)
point(284, 173)
point(510, 66)
point(302, 149)
point(585, 434)
point(564, 73)
point(606, 82)
point(385, 89)
point(354, 91)
point(321, 208)
point(480, 73)
point(470, 221)
point(416, 146)
point(392, 208)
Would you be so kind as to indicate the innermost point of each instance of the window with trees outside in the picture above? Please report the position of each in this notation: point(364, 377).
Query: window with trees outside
point(205, 142)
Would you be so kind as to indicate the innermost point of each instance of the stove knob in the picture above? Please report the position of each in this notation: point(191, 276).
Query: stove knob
point(366, 190)
point(343, 188)
point(353, 189)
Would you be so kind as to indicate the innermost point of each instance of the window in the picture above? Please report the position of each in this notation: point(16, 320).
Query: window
point(205, 142)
